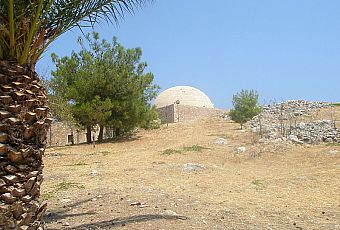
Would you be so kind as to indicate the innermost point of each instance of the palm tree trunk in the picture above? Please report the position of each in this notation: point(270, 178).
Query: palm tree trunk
point(23, 131)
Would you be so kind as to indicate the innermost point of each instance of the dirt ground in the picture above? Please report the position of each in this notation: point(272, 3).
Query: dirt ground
point(142, 182)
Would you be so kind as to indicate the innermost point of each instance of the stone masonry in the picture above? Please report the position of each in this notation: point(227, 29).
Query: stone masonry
point(182, 113)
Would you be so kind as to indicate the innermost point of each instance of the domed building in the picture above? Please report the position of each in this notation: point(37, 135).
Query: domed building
point(184, 103)
point(183, 95)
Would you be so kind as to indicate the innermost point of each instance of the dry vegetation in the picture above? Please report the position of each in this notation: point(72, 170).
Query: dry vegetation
point(140, 183)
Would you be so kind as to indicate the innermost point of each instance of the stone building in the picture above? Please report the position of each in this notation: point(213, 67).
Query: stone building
point(62, 134)
point(184, 103)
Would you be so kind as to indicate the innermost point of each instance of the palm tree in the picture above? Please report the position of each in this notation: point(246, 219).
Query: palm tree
point(27, 28)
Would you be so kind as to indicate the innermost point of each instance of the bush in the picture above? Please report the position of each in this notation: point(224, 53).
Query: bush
point(245, 106)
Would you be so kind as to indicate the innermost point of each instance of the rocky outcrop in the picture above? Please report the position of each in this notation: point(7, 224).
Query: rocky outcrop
point(280, 121)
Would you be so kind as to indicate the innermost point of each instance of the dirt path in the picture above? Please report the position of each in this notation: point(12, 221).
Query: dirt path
point(143, 183)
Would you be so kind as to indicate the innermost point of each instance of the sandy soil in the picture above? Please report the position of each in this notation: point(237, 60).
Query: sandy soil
point(140, 183)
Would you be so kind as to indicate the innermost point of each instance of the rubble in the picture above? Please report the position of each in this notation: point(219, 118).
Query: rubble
point(279, 121)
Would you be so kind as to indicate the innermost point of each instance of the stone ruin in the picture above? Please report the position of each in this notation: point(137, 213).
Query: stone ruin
point(282, 121)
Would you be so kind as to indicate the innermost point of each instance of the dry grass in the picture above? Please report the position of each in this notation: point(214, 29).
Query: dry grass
point(286, 187)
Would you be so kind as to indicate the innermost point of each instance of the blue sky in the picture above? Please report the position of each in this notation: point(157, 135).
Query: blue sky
point(283, 49)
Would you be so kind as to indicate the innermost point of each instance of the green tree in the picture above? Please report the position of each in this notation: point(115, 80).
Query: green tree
point(27, 28)
point(105, 85)
point(245, 106)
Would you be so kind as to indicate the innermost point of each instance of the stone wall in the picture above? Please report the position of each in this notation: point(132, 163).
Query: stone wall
point(61, 134)
point(182, 113)
point(166, 114)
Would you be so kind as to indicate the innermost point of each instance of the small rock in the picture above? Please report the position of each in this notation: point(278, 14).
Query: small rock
point(65, 200)
point(328, 140)
point(241, 149)
point(94, 173)
point(189, 167)
point(294, 139)
point(333, 152)
point(220, 141)
point(66, 224)
point(170, 213)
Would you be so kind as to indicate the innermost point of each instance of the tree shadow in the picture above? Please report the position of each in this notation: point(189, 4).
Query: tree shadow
point(123, 221)
point(56, 216)
point(53, 216)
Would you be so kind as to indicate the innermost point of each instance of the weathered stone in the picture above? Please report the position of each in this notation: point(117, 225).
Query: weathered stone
point(334, 152)
point(8, 198)
point(328, 140)
point(240, 149)
point(271, 127)
point(189, 167)
point(220, 141)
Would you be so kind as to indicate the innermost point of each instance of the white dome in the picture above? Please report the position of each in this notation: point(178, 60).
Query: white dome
point(184, 95)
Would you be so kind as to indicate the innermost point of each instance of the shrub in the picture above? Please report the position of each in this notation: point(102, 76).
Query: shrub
point(245, 106)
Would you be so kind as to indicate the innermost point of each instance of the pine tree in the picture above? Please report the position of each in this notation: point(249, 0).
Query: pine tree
point(245, 106)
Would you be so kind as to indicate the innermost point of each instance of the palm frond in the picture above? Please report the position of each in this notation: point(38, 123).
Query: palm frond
point(36, 24)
